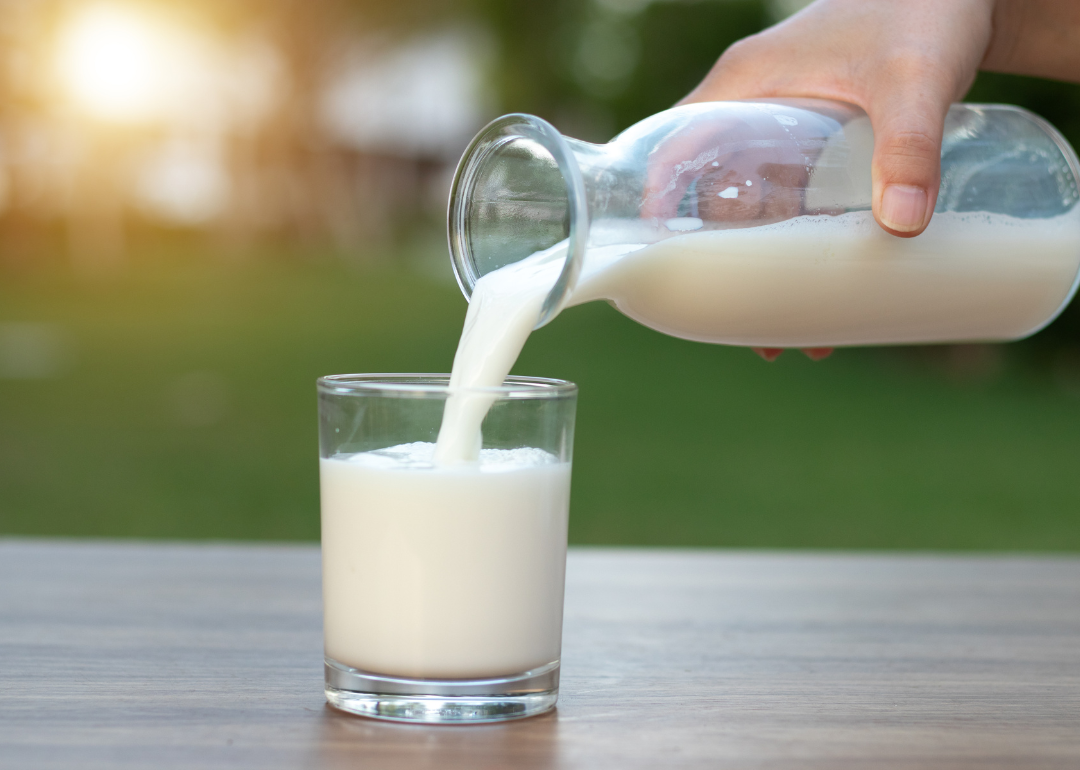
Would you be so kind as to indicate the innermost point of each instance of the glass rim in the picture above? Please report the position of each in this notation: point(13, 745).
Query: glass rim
point(412, 385)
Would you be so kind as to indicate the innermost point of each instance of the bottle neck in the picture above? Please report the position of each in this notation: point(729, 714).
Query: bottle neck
point(518, 190)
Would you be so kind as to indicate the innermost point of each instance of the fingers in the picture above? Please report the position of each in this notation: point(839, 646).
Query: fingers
point(906, 91)
point(907, 153)
point(814, 354)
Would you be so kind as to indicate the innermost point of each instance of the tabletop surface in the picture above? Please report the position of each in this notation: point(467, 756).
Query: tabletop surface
point(118, 655)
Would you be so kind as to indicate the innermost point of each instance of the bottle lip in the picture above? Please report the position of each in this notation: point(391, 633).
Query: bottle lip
point(494, 135)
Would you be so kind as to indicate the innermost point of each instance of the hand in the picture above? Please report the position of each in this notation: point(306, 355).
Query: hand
point(903, 61)
point(814, 354)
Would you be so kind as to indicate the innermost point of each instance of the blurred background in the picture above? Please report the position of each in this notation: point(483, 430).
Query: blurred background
point(204, 205)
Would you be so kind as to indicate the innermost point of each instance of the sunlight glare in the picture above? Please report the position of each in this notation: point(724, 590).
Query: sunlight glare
point(114, 63)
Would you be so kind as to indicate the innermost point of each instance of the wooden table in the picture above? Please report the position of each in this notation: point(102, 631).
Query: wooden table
point(118, 655)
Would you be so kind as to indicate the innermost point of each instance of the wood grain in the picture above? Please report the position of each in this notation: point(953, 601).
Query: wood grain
point(132, 655)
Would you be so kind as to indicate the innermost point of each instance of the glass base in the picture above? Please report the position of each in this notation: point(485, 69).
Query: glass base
point(442, 701)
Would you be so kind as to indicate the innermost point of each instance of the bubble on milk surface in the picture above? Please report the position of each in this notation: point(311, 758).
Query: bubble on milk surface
point(419, 455)
point(684, 224)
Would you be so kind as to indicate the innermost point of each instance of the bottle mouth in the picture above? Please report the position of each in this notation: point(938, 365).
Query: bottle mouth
point(517, 190)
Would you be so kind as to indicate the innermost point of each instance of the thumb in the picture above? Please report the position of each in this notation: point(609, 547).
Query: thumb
point(907, 161)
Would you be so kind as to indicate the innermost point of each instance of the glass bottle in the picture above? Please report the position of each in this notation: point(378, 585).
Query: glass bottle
point(749, 223)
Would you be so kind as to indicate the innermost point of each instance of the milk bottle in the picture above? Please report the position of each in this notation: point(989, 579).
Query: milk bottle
point(749, 223)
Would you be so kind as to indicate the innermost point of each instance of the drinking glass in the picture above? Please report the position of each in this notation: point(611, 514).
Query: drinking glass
point(443, 584)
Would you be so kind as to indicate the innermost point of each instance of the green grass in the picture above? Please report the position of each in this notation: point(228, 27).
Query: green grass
point(677, 443)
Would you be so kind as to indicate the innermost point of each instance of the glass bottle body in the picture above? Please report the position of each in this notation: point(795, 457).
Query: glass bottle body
point(749, 223)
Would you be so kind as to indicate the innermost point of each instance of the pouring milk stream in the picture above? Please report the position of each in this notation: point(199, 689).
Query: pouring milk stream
point(749, 223)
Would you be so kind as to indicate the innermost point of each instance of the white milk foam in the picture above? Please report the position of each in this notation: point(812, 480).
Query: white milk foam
point(444, 572)
point(420, 455)
point(811, 281)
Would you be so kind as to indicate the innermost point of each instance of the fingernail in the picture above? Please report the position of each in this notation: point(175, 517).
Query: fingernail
point(816, 354)
point(903, 207)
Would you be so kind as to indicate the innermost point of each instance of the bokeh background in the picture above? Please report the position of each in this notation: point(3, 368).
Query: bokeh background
point(206, 205)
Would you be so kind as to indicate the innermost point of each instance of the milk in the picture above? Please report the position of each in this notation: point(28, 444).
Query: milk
point(501, 315)
point(444, 572)
point(823, 281)
point(810, 281)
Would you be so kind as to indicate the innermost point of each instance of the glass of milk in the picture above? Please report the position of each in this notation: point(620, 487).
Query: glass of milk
point(443, 581)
